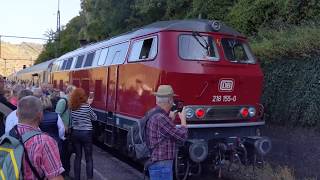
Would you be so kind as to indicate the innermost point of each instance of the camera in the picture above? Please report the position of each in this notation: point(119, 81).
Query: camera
point(177, 105)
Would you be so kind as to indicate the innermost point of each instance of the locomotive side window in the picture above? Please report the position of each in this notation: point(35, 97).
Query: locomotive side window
point(89, 59)
point(79, 61)
point(55, 66)
point(96, 57)
point(60, 65)
point(64, 64)
point(103, 56)
point(197, 47)
point(237, 51)
point(117, 54)
point(69, 63)
point(144, 49)
point(120, 54)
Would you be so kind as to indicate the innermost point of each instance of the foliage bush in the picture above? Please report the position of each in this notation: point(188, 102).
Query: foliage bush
point(291, 94)
point(290, 62)
point(299, 42)
point(248, 16)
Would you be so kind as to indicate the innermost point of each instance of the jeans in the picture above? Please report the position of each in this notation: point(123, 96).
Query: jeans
point(66, 155)
point(161, 170)
point(82, 139)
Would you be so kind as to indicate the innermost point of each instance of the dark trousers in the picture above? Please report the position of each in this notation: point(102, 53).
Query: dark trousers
point(82, 140)
point(66, 155)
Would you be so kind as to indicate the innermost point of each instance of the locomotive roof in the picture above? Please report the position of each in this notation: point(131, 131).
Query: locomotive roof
point(198, 25)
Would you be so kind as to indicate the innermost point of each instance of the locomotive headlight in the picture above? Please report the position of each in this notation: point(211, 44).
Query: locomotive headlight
point(189, 113)
point(200, 113)
point(252, 111)
point(244, 112)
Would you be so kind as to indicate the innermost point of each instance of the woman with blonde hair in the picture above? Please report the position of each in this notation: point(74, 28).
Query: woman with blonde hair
point(82, 116)
point(51, 122)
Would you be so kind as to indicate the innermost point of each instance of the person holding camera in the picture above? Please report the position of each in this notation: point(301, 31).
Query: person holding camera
point(162, 134)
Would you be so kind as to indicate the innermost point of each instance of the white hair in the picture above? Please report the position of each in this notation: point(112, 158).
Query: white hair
point(164, 100)
point(28, 108)
point(37, 92)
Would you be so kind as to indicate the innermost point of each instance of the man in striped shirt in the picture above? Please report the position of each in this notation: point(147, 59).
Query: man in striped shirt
point(162, 134)
point(42, 149)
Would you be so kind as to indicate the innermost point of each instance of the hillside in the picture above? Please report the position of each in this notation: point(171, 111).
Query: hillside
point(14, 56)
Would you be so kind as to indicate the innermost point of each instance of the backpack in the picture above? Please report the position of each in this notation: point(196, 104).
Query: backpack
point(136, 137)
point(11, 155)
point(55, 102)
point(66, 105)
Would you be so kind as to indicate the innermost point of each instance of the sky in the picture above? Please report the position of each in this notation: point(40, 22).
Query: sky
point(33, 18)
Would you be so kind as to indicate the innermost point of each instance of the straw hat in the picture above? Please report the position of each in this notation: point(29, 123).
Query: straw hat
point(164, 90)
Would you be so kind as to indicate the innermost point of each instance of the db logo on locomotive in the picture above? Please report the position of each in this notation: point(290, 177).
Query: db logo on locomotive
point(226, 85)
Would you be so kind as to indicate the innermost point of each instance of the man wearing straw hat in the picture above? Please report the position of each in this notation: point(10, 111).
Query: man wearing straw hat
point(162, 134)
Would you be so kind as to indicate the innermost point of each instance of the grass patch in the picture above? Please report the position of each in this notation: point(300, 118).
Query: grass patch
point(267, 172)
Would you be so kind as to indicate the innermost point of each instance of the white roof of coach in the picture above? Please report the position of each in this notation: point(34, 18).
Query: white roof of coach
point(36, 68)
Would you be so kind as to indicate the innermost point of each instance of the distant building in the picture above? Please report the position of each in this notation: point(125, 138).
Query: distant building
point(13, 57)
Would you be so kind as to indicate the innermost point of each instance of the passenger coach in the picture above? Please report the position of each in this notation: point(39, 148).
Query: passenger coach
point(210, 67)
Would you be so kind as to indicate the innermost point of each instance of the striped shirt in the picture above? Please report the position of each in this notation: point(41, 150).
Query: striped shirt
point(82, 117)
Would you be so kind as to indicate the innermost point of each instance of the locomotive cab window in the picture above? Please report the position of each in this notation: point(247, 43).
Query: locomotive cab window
point(144, 49)
point(197, 47)
point(89, 59)
point(79, 61)
point(237, 51)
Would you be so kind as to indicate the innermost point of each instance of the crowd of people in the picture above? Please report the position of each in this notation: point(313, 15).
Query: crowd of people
point(63, 121)
point(62, 124)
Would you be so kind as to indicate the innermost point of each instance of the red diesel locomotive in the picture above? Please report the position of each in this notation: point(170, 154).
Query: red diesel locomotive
point(209, 65)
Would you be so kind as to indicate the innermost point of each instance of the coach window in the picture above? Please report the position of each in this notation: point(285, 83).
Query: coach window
point(89, 59)
point(197, 47)
point(144, 49)
point(79, 61)
point(69, 63)
point(103, 56)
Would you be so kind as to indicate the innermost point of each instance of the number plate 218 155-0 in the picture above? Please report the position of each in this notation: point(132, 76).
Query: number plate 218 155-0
point(225, 98)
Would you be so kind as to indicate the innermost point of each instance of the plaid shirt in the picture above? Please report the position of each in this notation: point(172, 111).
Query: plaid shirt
point(162, 135)
point(43, 153)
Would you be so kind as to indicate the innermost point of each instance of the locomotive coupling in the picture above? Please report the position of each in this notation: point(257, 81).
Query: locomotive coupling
point(257, 144)
point(198, 150)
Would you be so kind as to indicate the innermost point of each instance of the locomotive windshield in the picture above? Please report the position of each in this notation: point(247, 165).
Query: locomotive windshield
point(237, 51)
point(197, 47)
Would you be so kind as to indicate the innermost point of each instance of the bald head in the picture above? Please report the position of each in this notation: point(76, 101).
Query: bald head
point(29, 110)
